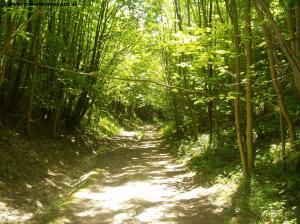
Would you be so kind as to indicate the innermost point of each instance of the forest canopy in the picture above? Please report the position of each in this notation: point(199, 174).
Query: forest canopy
point(215, 64)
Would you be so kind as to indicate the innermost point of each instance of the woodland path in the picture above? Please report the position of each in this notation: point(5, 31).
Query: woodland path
point(141, 182)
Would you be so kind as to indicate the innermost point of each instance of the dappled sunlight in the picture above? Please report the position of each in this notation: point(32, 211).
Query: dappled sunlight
point(155, 214)
point(145, 145)
point(191, 194)
point(89, 174)
point(115, 198)
point(11, 215)
point(146, 185)
point(128, 134)
point(143, 201)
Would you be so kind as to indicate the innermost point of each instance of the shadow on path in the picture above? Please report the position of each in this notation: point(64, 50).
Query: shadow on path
point(142, 183)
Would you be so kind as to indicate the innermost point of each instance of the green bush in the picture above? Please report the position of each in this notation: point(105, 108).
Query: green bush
point(109, 126)
point(168, 130)
point(106, 125)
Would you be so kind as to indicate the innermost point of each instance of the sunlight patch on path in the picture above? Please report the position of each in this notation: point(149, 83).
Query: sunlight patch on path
point(144, 202)
point(144, 184)
point(128, 134)
point(11, 215)
point(116, 198)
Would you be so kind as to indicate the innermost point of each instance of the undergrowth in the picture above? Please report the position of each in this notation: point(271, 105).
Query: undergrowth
point(37, 172)
point(104, 125)
point(274, 193)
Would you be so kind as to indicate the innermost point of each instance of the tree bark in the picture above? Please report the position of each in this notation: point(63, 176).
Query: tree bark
point(276, 84)
point(33, 73)
point(231, 7)
point(272, 27)
point(249, 68)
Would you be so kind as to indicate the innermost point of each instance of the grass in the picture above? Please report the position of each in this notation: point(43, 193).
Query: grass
point(274, 193)
point(105, 126)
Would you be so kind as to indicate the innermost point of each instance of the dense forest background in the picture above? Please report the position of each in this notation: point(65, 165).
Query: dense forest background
point(221, 77)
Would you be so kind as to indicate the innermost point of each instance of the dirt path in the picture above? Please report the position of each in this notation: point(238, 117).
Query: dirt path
point(142, 183)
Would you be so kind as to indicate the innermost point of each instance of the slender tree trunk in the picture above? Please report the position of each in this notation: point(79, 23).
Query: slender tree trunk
point(276, 85)
point(210, 107)
point(249, 68)
point(204, 13)
point(297, 24)
point(231, 7)
point(197, 3)
point(57, 112)
point(282, 133)
point(219, 11)
point(272, 27)
point(33, 73)
point(216, 121)
point(291, 25)
point(190, 103)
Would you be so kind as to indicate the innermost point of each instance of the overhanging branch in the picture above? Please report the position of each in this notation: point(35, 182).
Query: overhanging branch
point(96, 74)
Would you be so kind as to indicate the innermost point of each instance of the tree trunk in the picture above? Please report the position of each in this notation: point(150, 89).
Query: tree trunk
point(210, 106)
point(276, 84)
point(272, 27)
point(249, 106)
point(283, 134)
point(33, 73)
point(231, 7)
point(57, 112)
